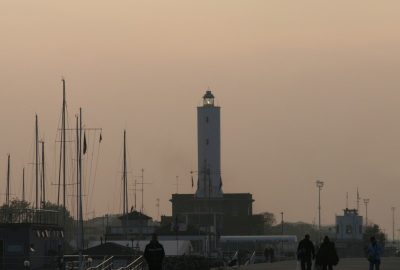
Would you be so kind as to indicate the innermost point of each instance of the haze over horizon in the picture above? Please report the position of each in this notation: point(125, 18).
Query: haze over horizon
point(308, 91)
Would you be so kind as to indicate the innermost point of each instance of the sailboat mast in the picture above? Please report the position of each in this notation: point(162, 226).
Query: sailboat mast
point(37, 161)
point(80, 188)
point(23, 184)
point(63, 141)
point(135, 184)
point(8, 182)
point(77, 181)
point(142, 210)
point(80, 176)
point(43, 177)
point(125, 180)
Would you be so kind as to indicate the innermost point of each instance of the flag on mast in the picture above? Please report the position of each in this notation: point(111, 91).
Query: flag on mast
point(84, 143)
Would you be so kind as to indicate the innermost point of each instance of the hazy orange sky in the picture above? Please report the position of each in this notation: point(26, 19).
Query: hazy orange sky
point(309, 90)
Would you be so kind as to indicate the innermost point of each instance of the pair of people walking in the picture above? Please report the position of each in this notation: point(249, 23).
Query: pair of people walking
point(326, 257)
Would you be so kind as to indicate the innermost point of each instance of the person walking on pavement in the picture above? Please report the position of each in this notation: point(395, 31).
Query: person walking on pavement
point(154, 254)
point(327, 255)
point(374, 253)
point(306, 253)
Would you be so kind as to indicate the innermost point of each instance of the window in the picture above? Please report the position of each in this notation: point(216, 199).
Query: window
point(207, 141)
point(349, 229)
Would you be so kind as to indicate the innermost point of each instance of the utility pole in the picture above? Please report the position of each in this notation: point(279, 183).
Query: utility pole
point(282, 229)
point(158, 208)
point(177, 184)
point(366, 201)
point(320, 185)
point(393, 221)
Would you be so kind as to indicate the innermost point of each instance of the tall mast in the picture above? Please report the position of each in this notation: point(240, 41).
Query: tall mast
point(77, 182)
point(125, 180)
point(135, 184)
point(142, 210)
point(62, 163)
point(37, 161)
point(80, 176)
point(43, 177)
point(63, 141)
point(23, 184)
point(8, 182)
point(125, 189)
point(80, 190)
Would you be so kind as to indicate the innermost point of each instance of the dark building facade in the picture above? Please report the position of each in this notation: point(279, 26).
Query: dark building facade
point(231, 214)
point(32, 237)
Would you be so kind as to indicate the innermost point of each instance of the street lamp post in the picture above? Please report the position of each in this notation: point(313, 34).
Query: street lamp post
point(282, 231)
point(319, 184)
point(393, 224)
point(366, 201)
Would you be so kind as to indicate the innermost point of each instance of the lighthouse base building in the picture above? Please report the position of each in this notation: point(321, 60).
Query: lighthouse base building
point(228, 215)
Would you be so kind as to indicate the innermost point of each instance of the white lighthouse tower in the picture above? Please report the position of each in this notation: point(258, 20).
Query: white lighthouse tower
point(209, 184)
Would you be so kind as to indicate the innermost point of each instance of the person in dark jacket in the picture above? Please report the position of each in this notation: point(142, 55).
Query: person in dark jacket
point(327, 255)
point(374, 253)
point(306, 253)
point(154, 254)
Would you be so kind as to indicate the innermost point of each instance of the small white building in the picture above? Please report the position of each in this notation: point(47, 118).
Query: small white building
point(349, 226)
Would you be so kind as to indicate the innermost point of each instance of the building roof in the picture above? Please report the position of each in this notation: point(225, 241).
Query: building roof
point(107, 249)
point(134, 215)
point(226, 196)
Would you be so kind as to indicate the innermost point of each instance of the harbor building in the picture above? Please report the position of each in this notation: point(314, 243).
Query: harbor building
point(349, 226)
point(30, 239)
point(349, 234)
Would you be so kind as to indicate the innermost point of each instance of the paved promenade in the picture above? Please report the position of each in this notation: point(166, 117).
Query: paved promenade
point(344, 264)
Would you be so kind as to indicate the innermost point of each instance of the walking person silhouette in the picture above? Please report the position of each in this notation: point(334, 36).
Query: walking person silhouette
point(306, 253)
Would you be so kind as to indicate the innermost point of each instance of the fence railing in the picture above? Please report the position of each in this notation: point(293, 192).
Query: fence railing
point(34, 216)
point(135, 265)
point(105, 265)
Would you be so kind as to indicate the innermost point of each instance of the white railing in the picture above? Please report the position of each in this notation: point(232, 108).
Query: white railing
point(135, 265)
point(105, 265)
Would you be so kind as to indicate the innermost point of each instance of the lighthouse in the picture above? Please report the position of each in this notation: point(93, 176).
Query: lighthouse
point(209, 210)
point(209, 183)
